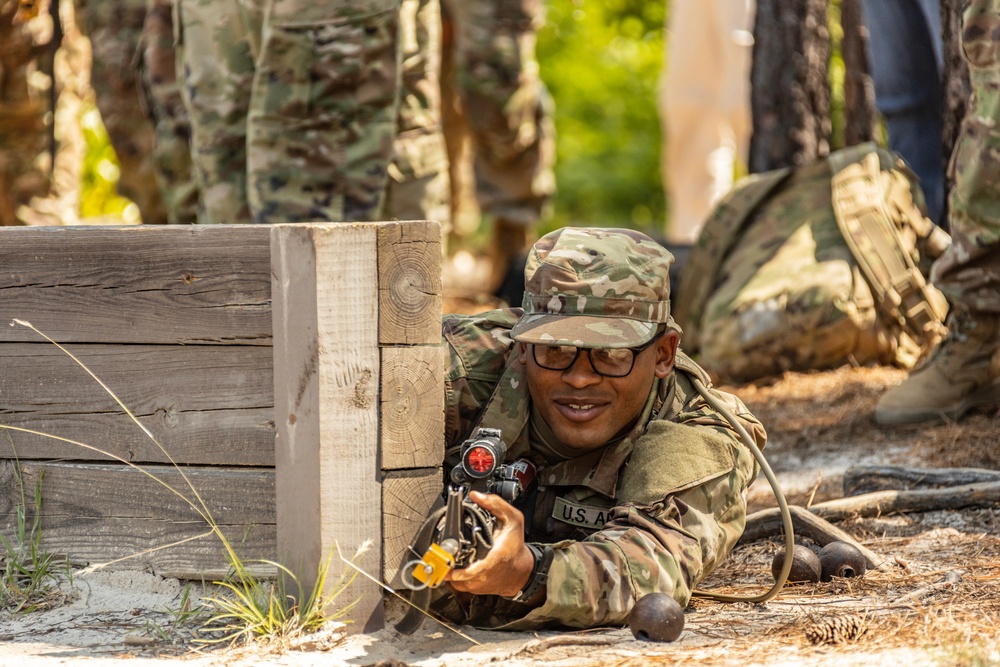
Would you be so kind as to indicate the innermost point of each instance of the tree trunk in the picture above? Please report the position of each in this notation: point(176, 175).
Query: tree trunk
point(22, 113)
point(859, 91)
point(956, 82)
point(790, 98)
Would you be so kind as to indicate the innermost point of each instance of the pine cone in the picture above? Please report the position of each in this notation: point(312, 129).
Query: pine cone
point(837, 629)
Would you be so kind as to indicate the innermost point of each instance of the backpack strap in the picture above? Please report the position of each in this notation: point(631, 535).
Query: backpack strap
point(721, 231)
point(899, 288)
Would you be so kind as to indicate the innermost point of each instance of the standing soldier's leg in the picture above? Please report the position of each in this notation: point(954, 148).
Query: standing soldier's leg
point(964, 371)
point(323, 116)
point(462, 183)
point(504, 101)
point(418, 176)
point(165, 106)
point(905, 52)
point(215, 55)
point(114, 28)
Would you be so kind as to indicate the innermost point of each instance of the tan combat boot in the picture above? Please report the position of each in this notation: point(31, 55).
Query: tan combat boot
point(961, 374)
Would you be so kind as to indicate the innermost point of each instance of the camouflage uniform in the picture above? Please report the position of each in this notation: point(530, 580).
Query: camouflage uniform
point(504, 104)
point(495, 97)
point(969, 271)
point(296, 120)
point(419, 188)
point(216, 46)
point(114, 28)
point(964, 370)
point(655, 510)
point(165, 109)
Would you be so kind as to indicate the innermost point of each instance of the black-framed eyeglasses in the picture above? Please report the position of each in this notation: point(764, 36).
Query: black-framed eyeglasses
point(609, 362)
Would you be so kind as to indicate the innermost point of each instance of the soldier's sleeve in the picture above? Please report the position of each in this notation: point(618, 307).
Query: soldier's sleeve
point(681, 509)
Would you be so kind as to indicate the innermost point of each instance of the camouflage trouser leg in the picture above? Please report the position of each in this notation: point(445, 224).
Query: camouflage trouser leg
point(969, 271)
point(165, 106)
point(215, 51)
point(323, 114)
point(504, 102)
point(114, 28)
point(418, 176)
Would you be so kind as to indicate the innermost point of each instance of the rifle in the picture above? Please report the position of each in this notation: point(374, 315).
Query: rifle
point(461, 532)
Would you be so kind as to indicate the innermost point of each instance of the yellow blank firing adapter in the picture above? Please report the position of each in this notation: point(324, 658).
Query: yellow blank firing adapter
point(435, 565)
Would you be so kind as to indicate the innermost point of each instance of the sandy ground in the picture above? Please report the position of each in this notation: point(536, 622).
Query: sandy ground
point(935, 600)
point(116, 619)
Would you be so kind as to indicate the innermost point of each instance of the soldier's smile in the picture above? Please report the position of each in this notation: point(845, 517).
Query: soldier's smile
point(578, 410)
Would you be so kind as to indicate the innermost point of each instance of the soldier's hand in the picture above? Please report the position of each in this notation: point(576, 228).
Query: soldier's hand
point(506, 568)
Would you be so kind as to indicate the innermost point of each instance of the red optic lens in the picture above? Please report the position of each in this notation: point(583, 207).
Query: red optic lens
point(480, 460)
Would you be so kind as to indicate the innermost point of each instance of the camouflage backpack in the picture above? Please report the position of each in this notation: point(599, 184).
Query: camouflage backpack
point(814, 267)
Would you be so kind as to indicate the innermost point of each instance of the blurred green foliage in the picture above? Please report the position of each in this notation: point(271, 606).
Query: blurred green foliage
point(601, 61)
point(99, 197)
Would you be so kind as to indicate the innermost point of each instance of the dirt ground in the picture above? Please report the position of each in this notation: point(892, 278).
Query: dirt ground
point(934, 600)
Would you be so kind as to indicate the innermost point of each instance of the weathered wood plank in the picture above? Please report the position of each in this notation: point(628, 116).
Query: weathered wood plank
point(205, 404)
point(326, 384)
point(412, 407)
point(124, 298)
point(94, 513)
point(137, 284)
point(407, 499)
point(409, 283)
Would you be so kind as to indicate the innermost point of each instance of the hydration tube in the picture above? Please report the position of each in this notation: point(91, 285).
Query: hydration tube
point(786, 517)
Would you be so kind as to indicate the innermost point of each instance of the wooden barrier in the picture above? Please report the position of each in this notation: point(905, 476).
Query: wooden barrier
point(303, 421)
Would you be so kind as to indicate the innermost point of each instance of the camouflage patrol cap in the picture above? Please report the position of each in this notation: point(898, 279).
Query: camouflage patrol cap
point(595, 287)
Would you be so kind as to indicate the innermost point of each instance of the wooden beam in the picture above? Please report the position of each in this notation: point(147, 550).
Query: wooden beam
point(169, 284)
point(409, 283)
point(340, 291)
point(412, 407)
point(408, 497)
point(326, 382)
point(179, 323)
point(205, 404)
point(94, 513)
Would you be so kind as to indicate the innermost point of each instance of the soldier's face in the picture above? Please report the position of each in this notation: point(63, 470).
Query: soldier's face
point(586, 410)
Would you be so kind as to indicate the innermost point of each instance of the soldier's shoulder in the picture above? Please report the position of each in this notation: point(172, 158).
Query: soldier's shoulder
point(686, 364)
point(711, 407)
point(478, 344)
